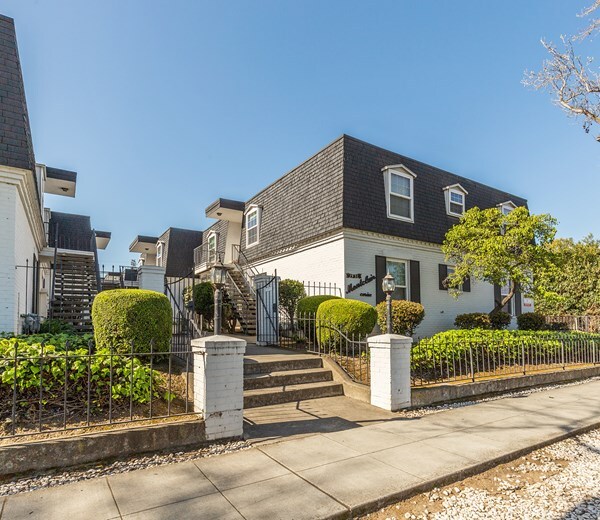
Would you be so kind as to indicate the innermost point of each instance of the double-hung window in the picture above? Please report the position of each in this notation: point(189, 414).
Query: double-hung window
point(510, 306)
point(212, 248)
point(159, 254)
point(400, 196)
point(457, 202)
point(399, 270)
point(456, 198)
point(252, 227)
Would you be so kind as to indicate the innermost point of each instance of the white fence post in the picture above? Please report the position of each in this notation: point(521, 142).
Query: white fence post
point(390, 371)
point(219, 385)
point(152, 277)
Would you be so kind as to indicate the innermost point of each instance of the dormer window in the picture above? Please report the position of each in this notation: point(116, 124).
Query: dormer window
point(399, 191)
point(507, 207)
point(252, 226)
point(455, 200)
point(159, 254)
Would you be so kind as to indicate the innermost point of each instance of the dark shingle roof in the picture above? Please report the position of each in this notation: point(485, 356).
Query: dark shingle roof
point(69, 231)
point(16, 147)
point(364, 194)
point(226, 204)
point(178, 252)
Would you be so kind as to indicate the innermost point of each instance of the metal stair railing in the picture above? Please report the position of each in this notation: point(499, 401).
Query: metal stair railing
point(238, 255)
point(242, 314)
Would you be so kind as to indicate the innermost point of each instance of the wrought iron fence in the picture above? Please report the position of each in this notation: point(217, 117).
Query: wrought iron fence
point(46, 388)
point(577, 323)
point(442, 360)
point(308, 333)
point(321, 288)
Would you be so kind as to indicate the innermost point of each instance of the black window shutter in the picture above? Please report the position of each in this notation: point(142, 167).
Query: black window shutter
point(517, 298)
point(443, 274)
point(497, 295)
point(466, 286)
point(380, 272)
point(415, 281)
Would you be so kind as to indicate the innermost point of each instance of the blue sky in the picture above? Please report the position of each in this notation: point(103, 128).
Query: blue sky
point(163, 106)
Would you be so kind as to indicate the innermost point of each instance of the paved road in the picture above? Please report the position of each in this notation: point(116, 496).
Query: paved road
point(326, 475)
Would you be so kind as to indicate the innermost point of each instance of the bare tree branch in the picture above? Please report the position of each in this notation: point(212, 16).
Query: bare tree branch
point(573, 83)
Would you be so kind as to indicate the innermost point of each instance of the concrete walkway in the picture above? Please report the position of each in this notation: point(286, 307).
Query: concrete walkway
point(327, 475)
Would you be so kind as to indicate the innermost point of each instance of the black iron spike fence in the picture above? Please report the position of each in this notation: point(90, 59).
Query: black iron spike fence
point(47, 388)
point(455, 360)
point(321, 336)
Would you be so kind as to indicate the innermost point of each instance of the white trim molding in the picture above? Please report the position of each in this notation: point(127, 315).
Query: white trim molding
point(401, 171)
point(253, 209)
point(460, 199)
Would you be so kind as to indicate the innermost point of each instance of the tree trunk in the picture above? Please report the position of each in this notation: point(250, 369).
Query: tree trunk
point(506, 299)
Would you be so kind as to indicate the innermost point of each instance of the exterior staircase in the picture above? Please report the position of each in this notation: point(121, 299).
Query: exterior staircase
point(74, 289)
point(238, 293)
point(287, 378)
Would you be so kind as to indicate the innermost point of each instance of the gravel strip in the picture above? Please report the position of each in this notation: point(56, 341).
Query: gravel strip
point(561, 481)
point(60, 477)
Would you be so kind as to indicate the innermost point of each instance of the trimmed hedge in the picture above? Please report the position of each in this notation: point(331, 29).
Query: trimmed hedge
point(531, 321)
point(500, 320)
point(310, 304)
point(125, 316)
point(353, 318)
point(406, 316)
point(473, 320)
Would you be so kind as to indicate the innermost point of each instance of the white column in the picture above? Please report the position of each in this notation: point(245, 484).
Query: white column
point(152, 277)
point(219, 385)
point(390, 371)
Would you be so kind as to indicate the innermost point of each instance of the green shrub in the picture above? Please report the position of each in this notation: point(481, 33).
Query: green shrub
point(123, 317)
point(203, 295)
point(310, 304)
point(473, 320)
point(453, 349)
point(290, 293)
point(531, 321)
point(353, 318)
point(306, 312)
point(500, 320)
point(406, 316)
point(54, 326)
point(131, 379)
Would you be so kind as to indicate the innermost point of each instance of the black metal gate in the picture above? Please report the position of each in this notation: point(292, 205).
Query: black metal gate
point(184, 327)
point(267, 309)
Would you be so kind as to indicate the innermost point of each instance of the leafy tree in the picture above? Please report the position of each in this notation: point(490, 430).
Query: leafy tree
point(290, 292)
point(500, 249)
point(572, 80)
point(572, 284)
point(203, 296)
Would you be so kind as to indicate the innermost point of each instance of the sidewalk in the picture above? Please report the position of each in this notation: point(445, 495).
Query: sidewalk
point(327, 475)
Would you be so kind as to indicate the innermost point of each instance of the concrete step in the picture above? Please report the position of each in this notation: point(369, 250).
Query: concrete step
point(294, 363)
point(288, 394)
point(287, 378)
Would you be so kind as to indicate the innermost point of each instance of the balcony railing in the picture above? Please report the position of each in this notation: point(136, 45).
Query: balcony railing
point(205, 256)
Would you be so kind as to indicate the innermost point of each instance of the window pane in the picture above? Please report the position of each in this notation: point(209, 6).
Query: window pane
point(400, 206)
point(456, 208)
point(456, 197)
point(400, 185)
point(399, 293)
point(252, 235)
point(398, 271)
point(252, 219)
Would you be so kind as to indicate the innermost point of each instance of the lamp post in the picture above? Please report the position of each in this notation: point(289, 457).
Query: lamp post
point(388, 284)
point(217, 277)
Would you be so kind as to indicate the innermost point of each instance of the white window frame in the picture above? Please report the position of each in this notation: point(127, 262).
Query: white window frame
point(406, 263)
point(401, 171)
point(159, 254)
point(211, 251)
point(251, 211)
point(459, 190)
point(508, 205)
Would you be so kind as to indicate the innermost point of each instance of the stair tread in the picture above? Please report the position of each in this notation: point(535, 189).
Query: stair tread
point(267, 375)
point(291, 388)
